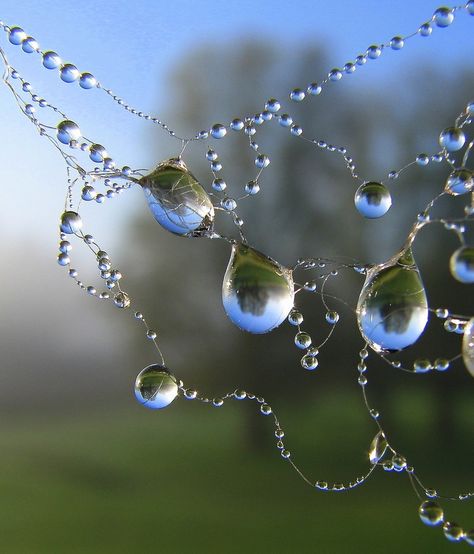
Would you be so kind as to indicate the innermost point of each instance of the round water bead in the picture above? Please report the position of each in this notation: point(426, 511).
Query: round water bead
point(309, 362)
point(30, 45)
point(16, 35)
point(218, 131)
point(97, 153)
point(332, 317)
point(295, 317)
point(237, 124)
point(373, 51)
point(460, 181)
point(422, 159)
point(453, 532)
point(70, 223)
point(372, 200)
point(257, 291)
point(335, 74)
point(252, 188)
point(468, 346)
point(51, 60)
point(443, 17)
point(461, 264)
point(122, 300)
point(69, 73)
point(314, 89)
point(272, 105)
point(67, 131)
point(177, 200)
point(155, 387)
point(431, 513)
point(302, 340)
point(297, 95)
point(452, 138)
point(397, 43)
point(219, 184)
point(392, 310)
point(87, 81)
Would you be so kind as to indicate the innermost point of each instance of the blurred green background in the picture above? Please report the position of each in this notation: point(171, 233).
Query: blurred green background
point(84, 469)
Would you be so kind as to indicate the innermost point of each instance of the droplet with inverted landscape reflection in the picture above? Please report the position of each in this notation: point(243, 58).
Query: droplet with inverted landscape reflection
point(257, 292)
point(156, 387)
point(372, 200)
point(177, 200)
point(392, 310)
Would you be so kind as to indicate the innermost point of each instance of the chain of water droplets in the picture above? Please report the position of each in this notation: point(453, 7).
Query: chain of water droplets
point(429, 511)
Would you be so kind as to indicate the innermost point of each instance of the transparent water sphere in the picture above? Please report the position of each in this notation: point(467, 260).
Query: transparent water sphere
point(468, 346)
point(372, 200)
point(452, 138)
point(377, 448)
point(70, 223)
point(453, 532)
point(461, 264)
point(156, 387)
point(69, 73)
point(51, 60)
point(177, 200)
point(218, 131)
point(87, 81)
point(257, 292)
point(392, 310)
point(16, 35)
point(68, 131)
point(460, 181)
point(431, 513)
point(97, 153)
point(29, 45)
point(443, 17)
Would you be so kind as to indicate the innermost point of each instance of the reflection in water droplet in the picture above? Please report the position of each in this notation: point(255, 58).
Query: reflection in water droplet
point(372, 200)
point(68, 131)
point(87, 81)
point(70, 223)
point(431, 513)
point(468, 346)
point(155, 387)
point(257, 291)
point(69, 73)
point(392, 310)
point(177, 200)
point(51, 60)
point(461, 264)
point(377, 449)
point(452, 531)
point(460, 181)
point(452, 139)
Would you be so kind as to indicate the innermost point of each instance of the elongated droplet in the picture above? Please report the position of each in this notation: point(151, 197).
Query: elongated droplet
point(392, 310)
point(257, 292)
point(468, 346)
point(155, 387)
point(377, 448)
point(177, 200)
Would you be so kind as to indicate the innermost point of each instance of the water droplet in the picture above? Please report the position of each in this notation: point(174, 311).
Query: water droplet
point(443, 17)
point(297, 95)
point(373, 51)
point(422, 159)
point(265, 409)
point(67, 131)
point(399, 462)
point(70, 223)
point(177, 200)
point(453, 532)
point(461, 264)
point(372, 200)
point(302, 340)
point(262, 161)
point(468, 346)
point(87, 81)
point(30, 45)
point(431, 513)
point(425, 30)
point(63, 259)
point(155, 387)
point(97, 153)
point(441, 364)
point(332, 317)
point(335, 74)
point(295, 317)
point(237, 124)
point(16, 35)
point(285, 120)
point(392, 310)
point(422, 366)
point(452, 138)
point(122, 300)
point(460, 181)
point(397, 43)
point(349, 67)
point(218, 131)
point(219, 184)
point(272, 105)
point(314, 89)
point(309, 362)
point(69, 73)
point(377, 448)
point(257, 291)
point(252, 188)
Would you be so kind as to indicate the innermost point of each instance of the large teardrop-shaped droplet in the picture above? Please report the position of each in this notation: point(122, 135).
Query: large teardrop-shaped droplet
point(177, 200)
point(392, 310)
point(377, 449)
point(468, 346)
point(257, 292)
point(155, 387)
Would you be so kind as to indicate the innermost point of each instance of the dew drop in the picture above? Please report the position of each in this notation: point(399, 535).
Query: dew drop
point(237, 124)
point(302, 340)
point(309, 362)
point(431, 513)
point(397, 43)
point(70, 223)
point(87, 81)
point(155, 387)
point(461, 264)
point(335, 74)
point(297, 95)
point(452, 138)
point(377, 448)
point(443, 17)
point(16, 35)
point(373, 52)
point(30, 45)
point(425, 30)
point(460, 181)
point(392, 310)
point(218, 131)
point(453, 532)
point(97, 153)
point(372, 200)
point(69, 73)
point(468, 346)
point(272, 105)
point(177, 200)
point(67, 131)
point(314, 89)
point(257, 291)
point(122, 300)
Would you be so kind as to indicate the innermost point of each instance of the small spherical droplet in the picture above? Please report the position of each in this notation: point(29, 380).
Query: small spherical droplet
point(425, 30)
point(217, 402)
point(373, 51)
point(461, 264)
point(422, 366)
point(349, 68)
point(272, 105)
point(399, 462)
point(70, 223)
point(155, 387)
point(63, 259)
point(237, 124)
point(296, 130)
point(88, 193)
point(211, 155)
point(285, 454)
point(372, 200)
point(30, 45)
point(228, 204)
point(219, 184)
point(16, 35)
point(218, 131)
point(441, 364)
point(265, 409)
point(431, 513)
point(97, 153)
point(443, 17)
point(190, 394)
point(309, 362)
point(262, 161)
point(122, 300)
point(150, 334)
point(332, 317)
point(87, 81)
point(68, 131)
point(452, 138)
point(297, 95)
point(314, 89)
point(453, 532)
point(240, 394)
point(302, 340)
point(397, 43)
point(295, 317)
point(65, 246)
point(335, 74)
point(252, 188)
point(460, 181)
point(422, 159)
point(285, 120)
point(69, 73)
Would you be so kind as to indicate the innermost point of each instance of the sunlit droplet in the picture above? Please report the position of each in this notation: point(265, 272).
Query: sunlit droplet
point(431, 513)
point(67, 131)
point(87, 81)
point(461, 264)
point(452, 138)
point(460, 181)
point(372, 200)
point(155, 387)
point(443, 17)
point(257, 291)
point(452, 531)
point(70, 222)
point(377, 448)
